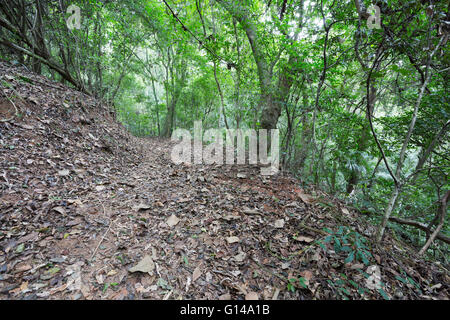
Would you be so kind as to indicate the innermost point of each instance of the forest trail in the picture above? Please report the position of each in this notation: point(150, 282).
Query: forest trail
point(89, 212)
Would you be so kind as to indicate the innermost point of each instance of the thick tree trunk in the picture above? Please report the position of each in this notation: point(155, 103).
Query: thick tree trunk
point(179, 84)
point(40, 47)
point(270, 110)
point(168, 124)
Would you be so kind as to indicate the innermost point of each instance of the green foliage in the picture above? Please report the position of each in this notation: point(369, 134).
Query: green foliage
point(296, 283)
point(348, 242)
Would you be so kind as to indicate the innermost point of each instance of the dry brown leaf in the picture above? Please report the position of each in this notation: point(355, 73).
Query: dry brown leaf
point(279, 223)
point(60, 210)
point(111, 273)
point(142, 206)
point(22, 268)
point(233, 239)
point(304, 239)
point(24, 286)
point(306, 198)
point(63, 173)
point(146, 265)
point(99, 188)
point(251, 296)
point(240, 257)
point(172, 221)
point(196, 274)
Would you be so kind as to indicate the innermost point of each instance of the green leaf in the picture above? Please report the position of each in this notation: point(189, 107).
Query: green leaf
point(322, 245)
point(350, 257)
point(383, 294)
point(20, 248)
point(337, 245)
point(346, 249)
point(302, 282)
point(401, 279)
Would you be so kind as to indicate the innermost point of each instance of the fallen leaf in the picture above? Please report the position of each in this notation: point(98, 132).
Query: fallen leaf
point(20, 248)
point(60, 210)
point(357, 266)
point(235, 273)
point(304, 239)
point(111, 273)
point(285, 265)
point(233, 239)
point(279, 223)
point(142, 206)
point(146, 265)
point(28, 127)
point(251, 296)
point(172, 221)
point(306, 198)
point(24, 286)
point(196, 274)
point(63, 173)
point(240, 257)
point(225, 296)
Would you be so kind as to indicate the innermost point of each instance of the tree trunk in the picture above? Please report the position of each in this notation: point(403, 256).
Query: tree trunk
point(388, 211)
point(442, 211)
point(270, 110)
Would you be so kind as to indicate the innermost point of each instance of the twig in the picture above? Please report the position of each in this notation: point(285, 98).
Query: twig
point(103, 237)
point(313, 229)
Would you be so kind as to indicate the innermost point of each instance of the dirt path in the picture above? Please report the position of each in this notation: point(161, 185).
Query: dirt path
point(203, 228)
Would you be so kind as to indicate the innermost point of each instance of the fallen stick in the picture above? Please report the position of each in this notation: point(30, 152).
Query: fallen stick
point(103, 237)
